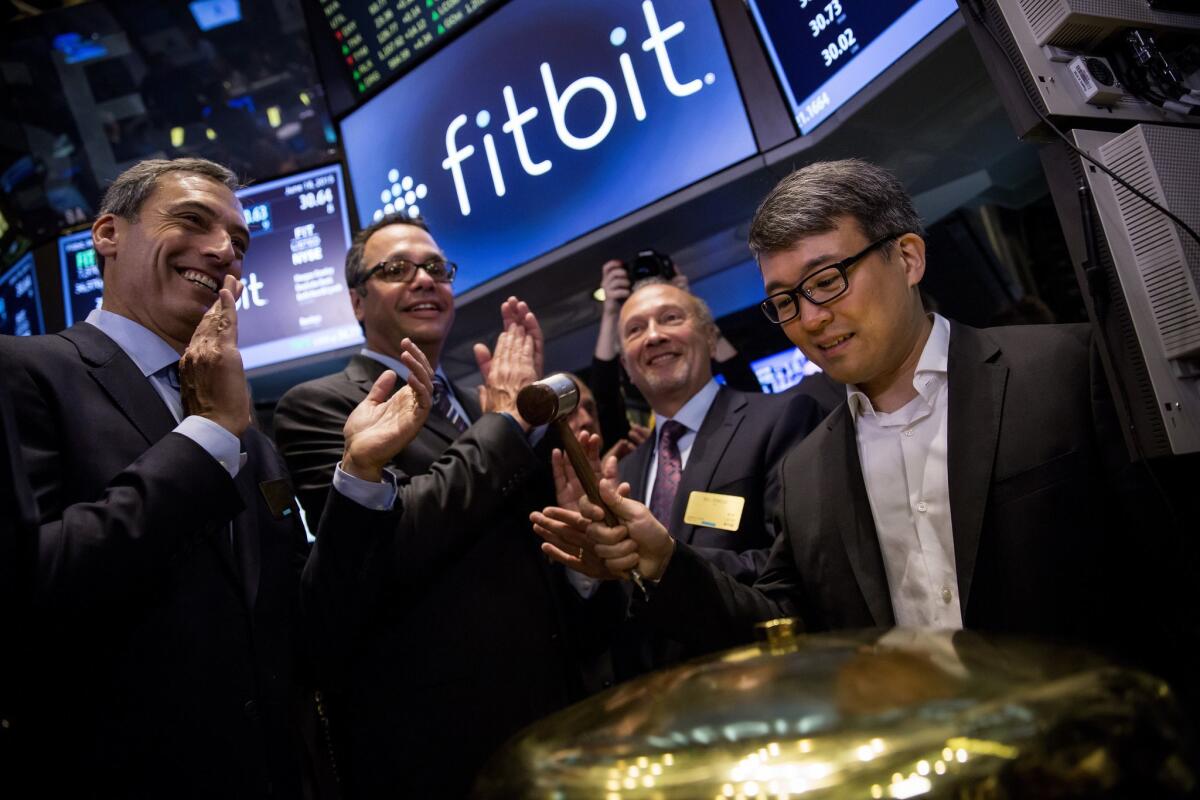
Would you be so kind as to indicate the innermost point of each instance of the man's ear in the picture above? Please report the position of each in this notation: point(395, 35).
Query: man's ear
point(105, 235)
point(912, 252)
point(356, 300)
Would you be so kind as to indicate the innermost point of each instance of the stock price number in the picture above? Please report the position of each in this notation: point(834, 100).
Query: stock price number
point(832, 13)
point(321, 197)
point(845, 43)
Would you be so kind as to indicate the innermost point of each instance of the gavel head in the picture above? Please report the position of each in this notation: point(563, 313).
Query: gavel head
point(552, 398)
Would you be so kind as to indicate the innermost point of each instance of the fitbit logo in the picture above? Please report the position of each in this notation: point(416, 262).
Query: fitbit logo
point(401, 197)
point(558, 100)
point(251, 294)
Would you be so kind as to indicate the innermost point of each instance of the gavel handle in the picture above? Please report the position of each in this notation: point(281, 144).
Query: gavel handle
point(591, 485)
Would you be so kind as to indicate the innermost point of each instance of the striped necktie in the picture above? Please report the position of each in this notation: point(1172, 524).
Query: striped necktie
point(443, 406)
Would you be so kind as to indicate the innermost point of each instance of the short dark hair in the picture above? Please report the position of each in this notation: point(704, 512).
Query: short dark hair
point(814, 198)
point(355, 268)
point(126, 195)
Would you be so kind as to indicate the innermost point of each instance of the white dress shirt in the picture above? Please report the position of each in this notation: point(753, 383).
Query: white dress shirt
point(903, 456)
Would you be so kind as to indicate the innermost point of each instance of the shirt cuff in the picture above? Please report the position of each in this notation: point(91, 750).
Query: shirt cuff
point(215, 440)
point(379, 496)
point(585, 586)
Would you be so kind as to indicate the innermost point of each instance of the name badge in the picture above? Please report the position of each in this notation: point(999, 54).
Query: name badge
point(722, 511)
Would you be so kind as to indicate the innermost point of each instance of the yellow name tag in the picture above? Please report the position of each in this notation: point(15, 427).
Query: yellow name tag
point(722, 511)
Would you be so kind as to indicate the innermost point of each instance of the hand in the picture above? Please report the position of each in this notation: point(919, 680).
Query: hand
point(506, 372)
point(615, 282)
point(383, 424)
point(517, 311)
point(562, 527)
point(212, 382)
point(638, 541)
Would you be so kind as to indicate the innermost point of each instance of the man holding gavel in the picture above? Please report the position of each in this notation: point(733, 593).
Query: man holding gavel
point(440, 639)
point(708, 471)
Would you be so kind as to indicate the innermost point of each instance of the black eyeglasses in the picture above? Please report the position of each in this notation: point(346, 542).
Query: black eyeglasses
point(822, 286)
point(401, 270)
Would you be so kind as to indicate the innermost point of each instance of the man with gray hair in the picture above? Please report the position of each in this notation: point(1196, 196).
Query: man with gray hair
point(708, 471)
point(164, 571)
point(973, 478)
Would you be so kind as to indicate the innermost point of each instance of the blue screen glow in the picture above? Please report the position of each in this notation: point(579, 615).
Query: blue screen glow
point(538, 126)
point(825, 51)
point(82, 285)
point(20, 304)
point(783, 370)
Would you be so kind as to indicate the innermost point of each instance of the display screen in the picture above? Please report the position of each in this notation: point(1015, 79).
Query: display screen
point(539, 126)
point(20, 305)
point(377, 39)
point(82, 286)
point(295, 302)
point(825, 51)
point(783, 370)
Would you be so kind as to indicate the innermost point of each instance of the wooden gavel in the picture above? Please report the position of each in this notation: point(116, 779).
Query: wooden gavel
point(551, 401)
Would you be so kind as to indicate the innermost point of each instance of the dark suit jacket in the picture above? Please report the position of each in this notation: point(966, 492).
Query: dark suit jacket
point(447, 634)
point(165, 661)
point(736, 452)
point(1037, 473)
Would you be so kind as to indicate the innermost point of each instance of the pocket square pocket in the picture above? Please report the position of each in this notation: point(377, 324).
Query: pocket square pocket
point(279, 497)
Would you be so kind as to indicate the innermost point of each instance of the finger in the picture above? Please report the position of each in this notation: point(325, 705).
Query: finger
point(227, 324)
point(422, 391)
point(508, 312)
point(609, 470)
point(563, 558)
point(555, 517)
point(408, 345)
point(624, 489)
point(382, 388)
point(589, 509)
point(483, 358)
point(600, 534)
point(622, 565)
point(417, 364)
point(559, 533)
point(621, 549)
point(622, 507)
point(241, 287)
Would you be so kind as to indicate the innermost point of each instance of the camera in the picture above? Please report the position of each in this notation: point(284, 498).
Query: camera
point(649, 264)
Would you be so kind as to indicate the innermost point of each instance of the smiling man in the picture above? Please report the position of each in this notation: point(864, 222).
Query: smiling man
point(709, 470)
point(973, 478)
point(168, 556)
point(450, 635)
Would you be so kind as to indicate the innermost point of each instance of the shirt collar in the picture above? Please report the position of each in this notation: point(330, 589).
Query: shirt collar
point(691, 415)
point(929, 375)
point(145, 348)
point(395, 364)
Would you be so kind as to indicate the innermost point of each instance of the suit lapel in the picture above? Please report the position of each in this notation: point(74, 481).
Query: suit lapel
point(122, 381)
point(247, 542)
point(713, 438)
point(976, 383)
point(851, 515)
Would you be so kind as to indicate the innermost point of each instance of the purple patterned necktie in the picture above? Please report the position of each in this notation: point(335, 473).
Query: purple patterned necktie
point(670, 467)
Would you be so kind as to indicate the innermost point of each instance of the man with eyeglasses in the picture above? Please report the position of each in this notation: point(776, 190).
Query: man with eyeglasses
point(972, 479)
point(441, 639)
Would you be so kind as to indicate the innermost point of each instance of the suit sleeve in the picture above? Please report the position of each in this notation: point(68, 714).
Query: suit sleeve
point(364, 563)
point(795, 421)
point(308, 432)
point(112, 550)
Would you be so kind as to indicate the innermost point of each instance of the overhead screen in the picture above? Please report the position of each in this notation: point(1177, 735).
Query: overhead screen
point(539, 126)
point(81, 281)
point(20, 304)
point(825, 52)
point(378, 39)
point(294, 304)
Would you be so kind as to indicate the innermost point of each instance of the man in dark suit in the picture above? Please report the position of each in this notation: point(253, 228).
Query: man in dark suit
point(709, 469)
point(449, 633)
point(973, 478)
point(165, 568)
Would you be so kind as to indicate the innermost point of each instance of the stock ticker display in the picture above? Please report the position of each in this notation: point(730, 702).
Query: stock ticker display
point(379, 38)
point(825, 51)
point(20, 305)
point(294, 303)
